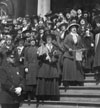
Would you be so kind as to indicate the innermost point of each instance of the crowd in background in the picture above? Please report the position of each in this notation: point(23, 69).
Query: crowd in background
point(59, 47)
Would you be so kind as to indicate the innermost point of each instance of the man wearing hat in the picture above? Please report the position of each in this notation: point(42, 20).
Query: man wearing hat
point(12, 83)
point(19, 52)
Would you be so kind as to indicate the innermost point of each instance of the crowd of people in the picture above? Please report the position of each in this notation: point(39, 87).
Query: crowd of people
point(38, 54)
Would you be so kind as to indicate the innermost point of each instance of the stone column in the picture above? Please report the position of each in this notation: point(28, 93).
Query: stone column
point(43, 7)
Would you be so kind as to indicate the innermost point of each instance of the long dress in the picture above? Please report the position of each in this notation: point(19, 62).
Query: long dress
point(47, 80)
point(72, 69)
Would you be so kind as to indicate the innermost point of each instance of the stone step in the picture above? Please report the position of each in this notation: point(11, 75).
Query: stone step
point(67, 104)
point(89, 74)
point(87, 82)
point(90, 78)
point(84, 95)
point(56, 106)
point(82, 99)
point(92, 93)
point(96, 87)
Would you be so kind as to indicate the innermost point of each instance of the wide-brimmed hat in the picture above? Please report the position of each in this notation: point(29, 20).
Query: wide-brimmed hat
point(41, 28)
point(33, 29)
point(48, 14)
point(63, 23)
point(49, 35)
point(54, 16)
point(72, 24)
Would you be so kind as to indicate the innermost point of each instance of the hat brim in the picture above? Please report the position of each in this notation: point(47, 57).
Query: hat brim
point(71, 25)
point(63, 24)
point(52, 36)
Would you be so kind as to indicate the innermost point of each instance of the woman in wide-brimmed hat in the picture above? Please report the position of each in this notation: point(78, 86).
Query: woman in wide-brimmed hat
point(72, 72)
point(48, 77)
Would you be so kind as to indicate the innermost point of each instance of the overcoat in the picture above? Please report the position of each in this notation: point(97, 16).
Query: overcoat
point(10, 78)
point(97, 55)
point(31, 62)
point(72, 70)
point(19, 60)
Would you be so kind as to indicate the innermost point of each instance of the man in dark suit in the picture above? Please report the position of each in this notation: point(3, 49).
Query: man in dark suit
point(12, 83)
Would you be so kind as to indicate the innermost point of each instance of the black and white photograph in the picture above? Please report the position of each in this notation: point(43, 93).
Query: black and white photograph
point(49, 53)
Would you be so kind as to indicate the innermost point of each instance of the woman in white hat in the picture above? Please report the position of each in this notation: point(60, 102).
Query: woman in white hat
point(72, 71)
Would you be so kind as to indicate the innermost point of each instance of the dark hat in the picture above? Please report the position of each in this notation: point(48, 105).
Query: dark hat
point(55, 16)
point(27, 31)
point(97, 19)
point(10, 54)
point(71, 25)
point(50, 23)
point(50, 35)
point(18, 39)
point(63, 23)
point(41, 27)
point(35, 17)
point(48, 14)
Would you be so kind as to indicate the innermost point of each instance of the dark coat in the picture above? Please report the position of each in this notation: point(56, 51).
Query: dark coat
point(31, 62)
point(89, 53)
point(10, 78)
point(19, 60)
point(72, 70)
point(48, 69)
point(97, 56)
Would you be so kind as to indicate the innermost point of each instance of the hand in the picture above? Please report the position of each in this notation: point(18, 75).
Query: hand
point(70, 50)
point(18, 91)
point(26, 70)
point(92, 45)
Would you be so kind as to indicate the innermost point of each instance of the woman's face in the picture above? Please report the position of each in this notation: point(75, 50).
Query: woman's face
point(41, 31)
point(68, 16)
point(49, 40)
point(63, 28)
point(82, 22)
point(73, 29)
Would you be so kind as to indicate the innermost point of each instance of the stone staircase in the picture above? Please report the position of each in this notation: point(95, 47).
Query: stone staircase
point(87, 96)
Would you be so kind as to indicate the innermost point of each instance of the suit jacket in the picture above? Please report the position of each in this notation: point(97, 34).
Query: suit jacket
point(10, 78)
point(18, 57)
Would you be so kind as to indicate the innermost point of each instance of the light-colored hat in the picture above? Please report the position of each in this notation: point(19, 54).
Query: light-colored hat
point(72, 24)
